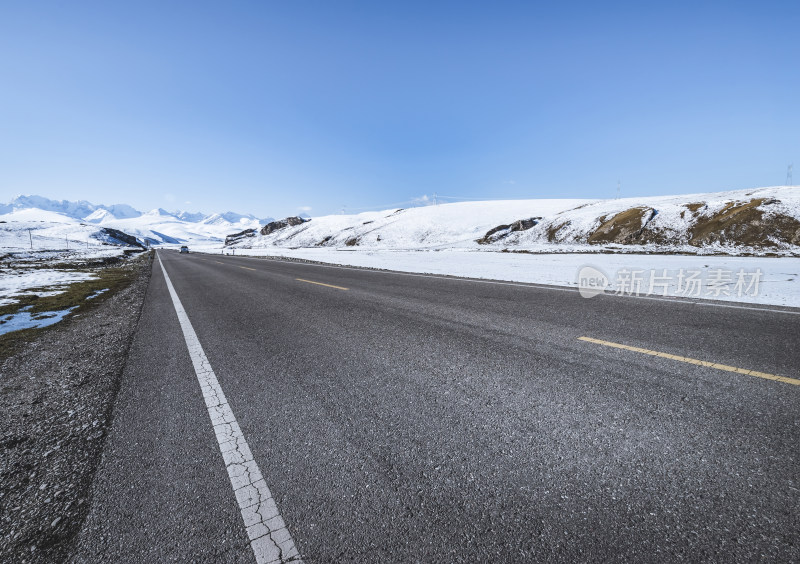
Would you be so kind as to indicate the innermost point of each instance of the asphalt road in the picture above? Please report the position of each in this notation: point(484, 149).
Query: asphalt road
point(429, 419)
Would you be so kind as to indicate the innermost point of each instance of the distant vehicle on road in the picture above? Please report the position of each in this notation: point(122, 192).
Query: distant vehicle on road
point(184, 249)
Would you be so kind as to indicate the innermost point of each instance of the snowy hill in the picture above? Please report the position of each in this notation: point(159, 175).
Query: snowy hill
point(81, 220)
point(764, 220)
point(35, 230)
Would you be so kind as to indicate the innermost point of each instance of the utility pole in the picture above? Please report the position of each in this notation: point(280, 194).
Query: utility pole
point(67, 240)
point(789, 175)
point(30, 237)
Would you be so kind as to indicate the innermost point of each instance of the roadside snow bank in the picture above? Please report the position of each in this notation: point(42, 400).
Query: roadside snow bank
point(754, 280)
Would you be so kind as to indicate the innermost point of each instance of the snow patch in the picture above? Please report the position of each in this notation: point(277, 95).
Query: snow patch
point(39, 281)
point(779, 281)
point(24, 319)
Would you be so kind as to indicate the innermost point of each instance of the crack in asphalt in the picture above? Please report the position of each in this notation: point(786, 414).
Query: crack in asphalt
point(269, 537)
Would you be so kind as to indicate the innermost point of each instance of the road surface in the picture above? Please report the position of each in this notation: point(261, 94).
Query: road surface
point(402, 418)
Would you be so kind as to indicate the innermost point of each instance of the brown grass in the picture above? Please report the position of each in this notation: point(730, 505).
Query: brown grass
point(745, 224)
point(625, 227)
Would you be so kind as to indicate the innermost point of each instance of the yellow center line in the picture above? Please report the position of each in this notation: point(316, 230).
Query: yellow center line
point(321, 284)
point(716, 365)
point(247, 267)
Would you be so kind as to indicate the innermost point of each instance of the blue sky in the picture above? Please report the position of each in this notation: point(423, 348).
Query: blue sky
point(275, 107)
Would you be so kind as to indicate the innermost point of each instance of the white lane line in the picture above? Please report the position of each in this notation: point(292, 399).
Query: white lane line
point(709, 304)
point(269, 537)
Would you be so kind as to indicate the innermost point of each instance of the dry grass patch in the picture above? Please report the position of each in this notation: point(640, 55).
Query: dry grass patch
point(745, 223)
point(624, 228)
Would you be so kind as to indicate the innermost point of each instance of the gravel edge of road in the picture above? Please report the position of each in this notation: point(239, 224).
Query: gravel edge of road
point(57, 396)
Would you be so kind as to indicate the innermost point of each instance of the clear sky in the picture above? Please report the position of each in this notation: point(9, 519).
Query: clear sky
point(272, 107)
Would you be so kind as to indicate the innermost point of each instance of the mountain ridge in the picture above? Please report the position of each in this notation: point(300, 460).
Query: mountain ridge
point(85, 210)
point(156, 226)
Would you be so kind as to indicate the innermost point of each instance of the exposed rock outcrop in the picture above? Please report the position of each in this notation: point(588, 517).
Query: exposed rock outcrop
point(503, 231)
point(239, 237)
point(117, 237)
point(273, 226)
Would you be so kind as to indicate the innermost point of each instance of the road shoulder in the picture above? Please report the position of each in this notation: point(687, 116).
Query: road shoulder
point(57, 395)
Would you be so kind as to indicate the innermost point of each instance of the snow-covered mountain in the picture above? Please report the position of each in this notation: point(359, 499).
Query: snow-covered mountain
point(157, 226)
point(161, 212)
point(76, 210)
point(191, 217)
point(99, 216)
point(760, 221)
